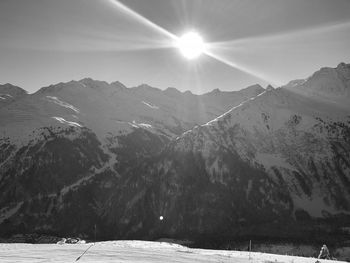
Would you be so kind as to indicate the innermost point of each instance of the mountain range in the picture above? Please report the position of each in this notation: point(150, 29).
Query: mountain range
point(269, 163)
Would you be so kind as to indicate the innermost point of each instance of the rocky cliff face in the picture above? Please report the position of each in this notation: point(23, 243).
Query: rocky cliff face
point(272, 162)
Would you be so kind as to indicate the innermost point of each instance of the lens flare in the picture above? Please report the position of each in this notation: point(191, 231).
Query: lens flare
point(191, 45)
point(142, 19)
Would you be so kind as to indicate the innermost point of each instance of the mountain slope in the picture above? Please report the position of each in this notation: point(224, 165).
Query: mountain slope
point(272, 166)
point(268, 163)
point(65, 150)
point(330, 85)
point(107, 108)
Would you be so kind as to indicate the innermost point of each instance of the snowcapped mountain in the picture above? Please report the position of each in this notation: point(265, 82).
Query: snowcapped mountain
point(272, 162)
point(112, 108)
point(9, 93)
point(280, 157)
point(327, 84)
point(64, 137)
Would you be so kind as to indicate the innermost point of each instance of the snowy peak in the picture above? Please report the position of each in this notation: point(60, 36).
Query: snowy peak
point(9, 93)
point(170, 91)
point(294, 83)
point(75, 87)
point(344, 70)
point(173, 92)
point(269, 88)
point(255, 87)
point(113, 108)
point(89, 82)
point(59, 87)
point(252, 91)
point(145, 88)
point(214, 92)
point(12, 90)
point(343, 66)
point(248, 92)
point(332, 83)
point(119, 85)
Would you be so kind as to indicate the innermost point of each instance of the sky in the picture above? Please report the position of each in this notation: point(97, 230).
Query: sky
point(44, 42)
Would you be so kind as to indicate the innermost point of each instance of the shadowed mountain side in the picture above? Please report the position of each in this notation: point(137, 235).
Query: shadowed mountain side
point(271, 163)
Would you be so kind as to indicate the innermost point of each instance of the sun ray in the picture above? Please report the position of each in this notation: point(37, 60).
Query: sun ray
point(143, 20)
point(241, 68)
point(174, 39)
point(109, 41)
point(241, 42)
point(272, 48)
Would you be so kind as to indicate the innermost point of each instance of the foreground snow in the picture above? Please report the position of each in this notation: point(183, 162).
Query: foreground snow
point(134, 251)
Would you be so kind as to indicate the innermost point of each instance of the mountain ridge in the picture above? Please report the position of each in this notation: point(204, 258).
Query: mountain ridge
point(268, 162)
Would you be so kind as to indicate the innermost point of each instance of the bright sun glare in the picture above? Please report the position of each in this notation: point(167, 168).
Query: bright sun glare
point(191, 45)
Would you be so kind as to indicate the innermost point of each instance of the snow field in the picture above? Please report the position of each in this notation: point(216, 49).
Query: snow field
point(135, 251)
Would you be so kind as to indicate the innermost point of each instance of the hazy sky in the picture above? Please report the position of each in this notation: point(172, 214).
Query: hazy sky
point(43, 42)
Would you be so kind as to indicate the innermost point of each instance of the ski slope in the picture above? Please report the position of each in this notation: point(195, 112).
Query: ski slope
point(135, 251)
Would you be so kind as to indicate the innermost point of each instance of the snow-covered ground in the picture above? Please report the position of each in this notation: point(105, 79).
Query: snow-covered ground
point(134, 251)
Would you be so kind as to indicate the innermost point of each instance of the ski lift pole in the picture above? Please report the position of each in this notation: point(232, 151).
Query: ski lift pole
point(84, 252)
point(89, 246)
point(250, 248)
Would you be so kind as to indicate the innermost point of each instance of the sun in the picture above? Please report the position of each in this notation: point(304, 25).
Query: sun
point(191, 45)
